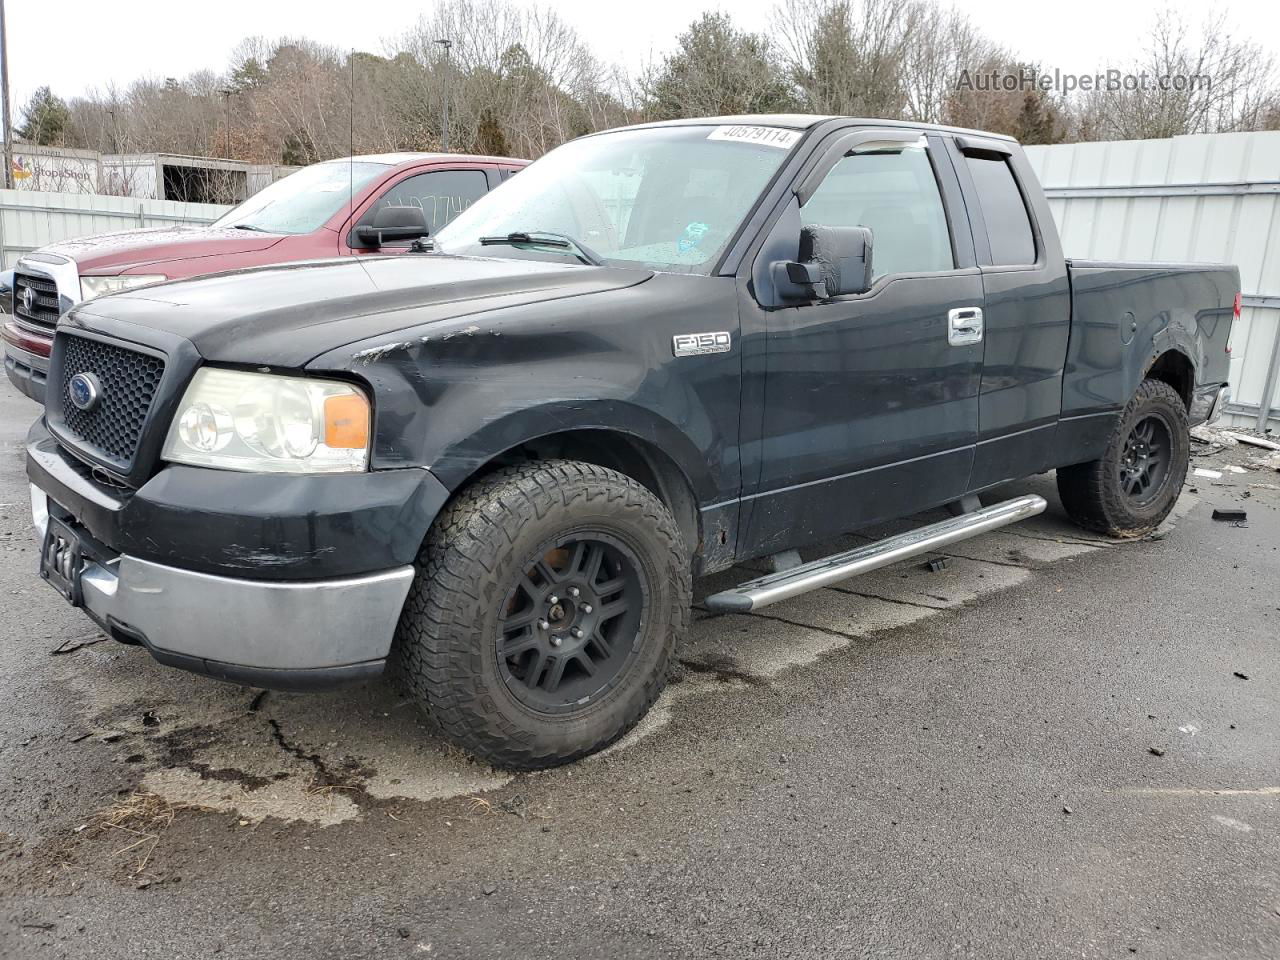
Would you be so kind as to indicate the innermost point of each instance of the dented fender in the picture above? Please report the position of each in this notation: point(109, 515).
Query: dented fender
point(452, 395)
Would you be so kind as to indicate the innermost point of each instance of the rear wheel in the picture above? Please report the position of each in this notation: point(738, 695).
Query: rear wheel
point(1132, 487)
point(548, 603)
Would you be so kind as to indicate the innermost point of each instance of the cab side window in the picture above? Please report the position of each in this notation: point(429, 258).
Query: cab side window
point(1008, 225)
point(440, 194)
point(896, 194)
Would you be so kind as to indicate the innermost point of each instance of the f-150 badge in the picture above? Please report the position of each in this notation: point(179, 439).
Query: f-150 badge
point(696, 344)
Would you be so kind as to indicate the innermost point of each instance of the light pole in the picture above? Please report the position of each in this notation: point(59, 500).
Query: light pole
point(447, 44)
point(226, 121)
point(4, 93)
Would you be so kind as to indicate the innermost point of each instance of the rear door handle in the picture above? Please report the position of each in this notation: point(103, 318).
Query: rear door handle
point(964, 326)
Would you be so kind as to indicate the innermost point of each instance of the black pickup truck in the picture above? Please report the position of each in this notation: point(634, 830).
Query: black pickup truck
point(656, 353)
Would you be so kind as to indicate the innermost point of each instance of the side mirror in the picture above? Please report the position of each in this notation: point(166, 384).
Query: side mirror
point(6, 292)
point(392, 224)
point(834, 261)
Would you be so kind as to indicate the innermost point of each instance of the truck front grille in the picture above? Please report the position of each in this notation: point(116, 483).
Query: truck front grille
point(127, 381)
point(42, 314)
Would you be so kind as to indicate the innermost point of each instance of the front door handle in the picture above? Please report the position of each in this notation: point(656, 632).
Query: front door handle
point(964, 326)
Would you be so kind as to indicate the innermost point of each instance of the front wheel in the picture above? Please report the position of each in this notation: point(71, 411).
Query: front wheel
point(1132, 487)
point(547, 605)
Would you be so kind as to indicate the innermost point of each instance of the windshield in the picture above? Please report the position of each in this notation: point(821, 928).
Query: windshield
point(669, 198)
point(303, 201)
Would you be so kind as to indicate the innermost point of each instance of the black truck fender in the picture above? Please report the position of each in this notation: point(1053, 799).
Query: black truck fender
point(608, 433)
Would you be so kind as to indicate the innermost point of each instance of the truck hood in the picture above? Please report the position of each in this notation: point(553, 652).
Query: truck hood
point(113, 252)
point(286, 315)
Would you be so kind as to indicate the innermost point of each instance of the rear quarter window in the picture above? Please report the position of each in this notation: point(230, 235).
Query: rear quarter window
point(1008, 223)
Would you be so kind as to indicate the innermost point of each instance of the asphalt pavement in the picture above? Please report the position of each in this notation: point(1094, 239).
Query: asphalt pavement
point(1058, 746)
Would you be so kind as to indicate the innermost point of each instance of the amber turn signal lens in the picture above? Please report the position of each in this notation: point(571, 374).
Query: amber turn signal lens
point(346, 422)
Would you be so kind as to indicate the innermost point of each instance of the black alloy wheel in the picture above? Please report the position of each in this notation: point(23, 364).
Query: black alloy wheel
point(569, 624)
point(1144, 462)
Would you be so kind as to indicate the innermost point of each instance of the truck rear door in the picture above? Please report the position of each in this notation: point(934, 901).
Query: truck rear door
point(1027, 309)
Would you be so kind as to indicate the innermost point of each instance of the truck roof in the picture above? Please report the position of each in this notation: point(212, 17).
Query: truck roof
point(394, 159)
point(804, 121)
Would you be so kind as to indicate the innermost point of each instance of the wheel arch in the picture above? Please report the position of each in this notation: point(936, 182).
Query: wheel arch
point(638, 457)
point(1175, 368)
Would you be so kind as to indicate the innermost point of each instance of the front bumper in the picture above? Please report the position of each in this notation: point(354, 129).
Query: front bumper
point(280, 634)
point(26, 361)
point(246, 525)
point(280, 581)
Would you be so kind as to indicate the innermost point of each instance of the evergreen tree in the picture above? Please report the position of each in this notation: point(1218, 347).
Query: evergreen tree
point(44, 119)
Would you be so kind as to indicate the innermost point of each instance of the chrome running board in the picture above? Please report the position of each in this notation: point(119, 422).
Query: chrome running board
point(773, 587)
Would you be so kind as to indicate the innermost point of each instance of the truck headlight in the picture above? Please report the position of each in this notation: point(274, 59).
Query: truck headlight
point(260, 422)
point(91, 287)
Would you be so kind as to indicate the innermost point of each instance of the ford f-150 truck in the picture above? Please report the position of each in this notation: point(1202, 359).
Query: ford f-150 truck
point(656, 353)
point(324, 210)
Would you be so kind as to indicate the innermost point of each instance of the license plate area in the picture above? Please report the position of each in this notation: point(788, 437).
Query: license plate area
point(62, 560)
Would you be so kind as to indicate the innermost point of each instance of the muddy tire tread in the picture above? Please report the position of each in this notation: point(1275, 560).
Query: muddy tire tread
point(1089, 492)
point(438, 644)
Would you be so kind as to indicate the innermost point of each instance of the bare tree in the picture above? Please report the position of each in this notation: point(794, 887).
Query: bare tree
point(520, 81)
point(1024, 110)
point(1208, 81)
point(944, 45)
point(518, 78)
point(849, 56)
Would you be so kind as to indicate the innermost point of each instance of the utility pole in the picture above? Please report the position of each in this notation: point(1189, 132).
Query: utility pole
point(447, 44)
point(226, 122)
point(4, 94)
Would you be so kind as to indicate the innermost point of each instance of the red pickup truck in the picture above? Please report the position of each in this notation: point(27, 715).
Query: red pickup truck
point(349, 206)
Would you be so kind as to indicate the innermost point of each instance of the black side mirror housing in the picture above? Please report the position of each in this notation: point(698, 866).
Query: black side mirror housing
point(834, 262)
point(6, 292)
point(393, 224)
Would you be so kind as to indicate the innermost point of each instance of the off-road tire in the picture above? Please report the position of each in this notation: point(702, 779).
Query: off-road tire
point(1093, 493)
point(446, 648)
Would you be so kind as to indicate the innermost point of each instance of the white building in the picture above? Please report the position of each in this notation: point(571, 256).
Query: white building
point(55, 169)
point(146, 176)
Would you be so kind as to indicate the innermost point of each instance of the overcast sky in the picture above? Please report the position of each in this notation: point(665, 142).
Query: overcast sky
point(74, 45)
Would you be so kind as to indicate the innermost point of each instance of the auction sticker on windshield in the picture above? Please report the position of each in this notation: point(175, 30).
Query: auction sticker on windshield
point(765, 136)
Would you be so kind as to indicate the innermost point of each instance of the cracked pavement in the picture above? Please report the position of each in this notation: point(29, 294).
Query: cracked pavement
point(1059, 745)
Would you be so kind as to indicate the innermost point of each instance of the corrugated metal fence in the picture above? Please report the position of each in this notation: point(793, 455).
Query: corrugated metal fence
point(29, 220)
point(1212, 198)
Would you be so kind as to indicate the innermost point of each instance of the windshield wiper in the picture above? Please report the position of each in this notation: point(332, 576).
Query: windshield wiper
point(542, 239)
point(249, 226)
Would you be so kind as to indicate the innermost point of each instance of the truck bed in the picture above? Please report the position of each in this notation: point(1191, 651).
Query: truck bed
point(1172, 306)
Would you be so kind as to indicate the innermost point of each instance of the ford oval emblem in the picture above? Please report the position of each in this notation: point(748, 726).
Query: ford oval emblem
point(85, 391)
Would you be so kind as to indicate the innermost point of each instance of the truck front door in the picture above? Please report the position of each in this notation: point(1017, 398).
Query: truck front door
point(440, 194)
point(870, 401)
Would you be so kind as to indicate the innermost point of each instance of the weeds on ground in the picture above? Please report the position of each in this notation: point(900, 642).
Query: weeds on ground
point(138, 819)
